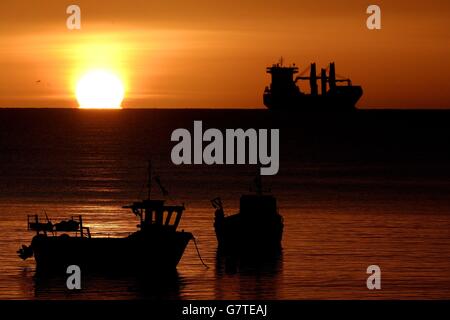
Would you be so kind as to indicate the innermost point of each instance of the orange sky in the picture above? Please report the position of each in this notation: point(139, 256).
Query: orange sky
point(203, 53)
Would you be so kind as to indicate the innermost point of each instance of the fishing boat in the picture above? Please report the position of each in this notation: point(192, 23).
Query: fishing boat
point(155, 245)
point(257, 229)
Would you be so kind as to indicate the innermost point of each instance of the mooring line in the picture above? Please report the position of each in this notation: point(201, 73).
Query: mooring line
point(198, 253)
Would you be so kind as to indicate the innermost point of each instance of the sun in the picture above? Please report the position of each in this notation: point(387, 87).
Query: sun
point(100, 89)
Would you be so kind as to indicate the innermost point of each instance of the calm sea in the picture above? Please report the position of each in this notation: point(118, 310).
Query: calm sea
point(369, 188)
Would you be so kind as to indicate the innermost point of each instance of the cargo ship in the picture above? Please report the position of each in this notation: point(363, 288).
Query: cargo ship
point(285, 93)
point(156, 245)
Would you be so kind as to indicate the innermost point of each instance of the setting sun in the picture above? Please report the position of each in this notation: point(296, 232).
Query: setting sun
point(100, 89)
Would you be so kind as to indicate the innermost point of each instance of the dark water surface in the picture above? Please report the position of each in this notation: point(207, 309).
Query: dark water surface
point(371, 188)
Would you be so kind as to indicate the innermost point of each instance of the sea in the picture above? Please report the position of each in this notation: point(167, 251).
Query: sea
point(355, 190)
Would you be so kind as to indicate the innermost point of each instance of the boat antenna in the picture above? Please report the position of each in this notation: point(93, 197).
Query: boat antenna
point(256, 185)
point(149, 182)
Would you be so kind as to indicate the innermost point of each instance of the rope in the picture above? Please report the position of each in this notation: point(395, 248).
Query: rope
point(198, 253)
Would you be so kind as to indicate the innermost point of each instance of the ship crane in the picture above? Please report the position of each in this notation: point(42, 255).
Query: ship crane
point(285, 94)
point(330, 79)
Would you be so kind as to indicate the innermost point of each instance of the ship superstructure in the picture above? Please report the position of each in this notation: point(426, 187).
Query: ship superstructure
point(284, 92)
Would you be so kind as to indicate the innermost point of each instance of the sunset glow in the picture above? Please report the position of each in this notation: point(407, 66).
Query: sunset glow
point(170, 54)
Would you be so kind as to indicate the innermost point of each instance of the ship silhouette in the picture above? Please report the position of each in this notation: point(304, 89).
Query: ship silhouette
point(156, 245)
point(255, 231)
point(284, 93)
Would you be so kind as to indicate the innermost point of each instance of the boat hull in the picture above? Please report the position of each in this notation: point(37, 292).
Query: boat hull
point(238, 235)
point(138, 253)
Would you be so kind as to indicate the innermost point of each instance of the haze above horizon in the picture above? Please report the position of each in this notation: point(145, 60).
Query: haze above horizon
point(202, 54)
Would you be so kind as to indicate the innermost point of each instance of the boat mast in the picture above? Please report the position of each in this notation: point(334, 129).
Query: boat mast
point(257, 184)
point(149, 182)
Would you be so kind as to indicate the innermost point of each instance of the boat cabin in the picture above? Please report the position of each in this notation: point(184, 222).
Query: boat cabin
point(154, 214)
point(258, 205)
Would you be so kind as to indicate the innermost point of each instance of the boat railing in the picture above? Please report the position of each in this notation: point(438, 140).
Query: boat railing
point(74, 224)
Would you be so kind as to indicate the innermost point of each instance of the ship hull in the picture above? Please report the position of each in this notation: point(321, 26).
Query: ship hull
point(342, 99)
point(139, 253)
